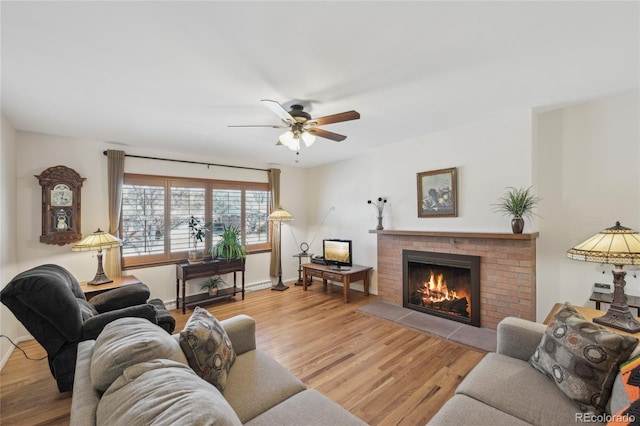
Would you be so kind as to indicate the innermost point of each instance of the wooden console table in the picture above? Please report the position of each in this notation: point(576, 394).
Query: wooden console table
point(91, 290)
point(209, 268)
point(346, 276)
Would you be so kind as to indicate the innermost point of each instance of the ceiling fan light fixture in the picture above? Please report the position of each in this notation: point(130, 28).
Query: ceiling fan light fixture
point(286, 138)
point(308, 139)
point(295, 143)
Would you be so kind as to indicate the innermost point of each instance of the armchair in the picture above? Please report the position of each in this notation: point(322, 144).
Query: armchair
point(48, 301)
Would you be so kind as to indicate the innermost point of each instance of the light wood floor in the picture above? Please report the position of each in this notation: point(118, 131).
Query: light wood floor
point(378, 370)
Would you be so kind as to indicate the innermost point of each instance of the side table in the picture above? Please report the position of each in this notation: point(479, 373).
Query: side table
point(94, 290)
point(300, 256)
point(588, 313)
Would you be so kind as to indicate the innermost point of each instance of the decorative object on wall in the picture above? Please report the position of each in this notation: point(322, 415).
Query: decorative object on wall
point(379, 205)
point(198, 232)
point(616, 246)
point(280, 215)
point(97, 241)
point(60, 205)
point(517, 203)
point(438, 193)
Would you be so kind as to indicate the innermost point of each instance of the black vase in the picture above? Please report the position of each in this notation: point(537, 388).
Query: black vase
point(517, 225)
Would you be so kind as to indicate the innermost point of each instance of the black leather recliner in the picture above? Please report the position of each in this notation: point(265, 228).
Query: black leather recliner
point(48, 301)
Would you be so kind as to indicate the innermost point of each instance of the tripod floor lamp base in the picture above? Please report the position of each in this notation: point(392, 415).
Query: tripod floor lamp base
point(280, 286)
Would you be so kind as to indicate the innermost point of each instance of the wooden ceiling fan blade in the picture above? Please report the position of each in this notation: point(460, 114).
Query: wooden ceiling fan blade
point(336, 118)
point(326, 134)
point(279, 110)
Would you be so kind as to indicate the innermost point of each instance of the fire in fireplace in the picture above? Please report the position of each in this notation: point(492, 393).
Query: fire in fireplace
point(442, 284)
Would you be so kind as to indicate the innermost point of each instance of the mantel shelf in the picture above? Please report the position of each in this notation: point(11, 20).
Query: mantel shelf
point(448, 234)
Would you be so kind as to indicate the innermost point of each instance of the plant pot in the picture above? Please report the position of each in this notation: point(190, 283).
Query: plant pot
point(517, 225)
point(195, 256)
point(213, 291)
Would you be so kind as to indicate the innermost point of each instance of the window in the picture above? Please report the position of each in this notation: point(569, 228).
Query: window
point(156, 212)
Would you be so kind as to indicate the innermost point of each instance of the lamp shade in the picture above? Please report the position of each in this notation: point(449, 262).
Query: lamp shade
point(616, 245)
point(308, 138)
point(97, 241)
point(280, 215)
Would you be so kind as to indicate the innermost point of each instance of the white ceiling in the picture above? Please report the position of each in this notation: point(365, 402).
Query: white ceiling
point(174, 75)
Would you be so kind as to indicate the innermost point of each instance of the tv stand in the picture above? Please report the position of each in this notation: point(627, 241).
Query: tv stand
point(345, 276)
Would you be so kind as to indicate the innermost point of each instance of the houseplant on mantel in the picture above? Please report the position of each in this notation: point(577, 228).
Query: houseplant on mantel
point(517, 203)
point(229, 246)
point(212, 285)
point(197, 231)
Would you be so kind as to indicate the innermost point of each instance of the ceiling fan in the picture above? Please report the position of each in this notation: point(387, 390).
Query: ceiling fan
point(300, 125)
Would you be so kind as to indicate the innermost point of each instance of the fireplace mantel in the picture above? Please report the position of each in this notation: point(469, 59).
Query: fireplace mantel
point(448, 234)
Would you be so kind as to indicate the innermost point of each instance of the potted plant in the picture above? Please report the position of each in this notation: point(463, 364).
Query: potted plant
point(229, 246)
point(197, 231)
point(212, 285)
point(517, 203)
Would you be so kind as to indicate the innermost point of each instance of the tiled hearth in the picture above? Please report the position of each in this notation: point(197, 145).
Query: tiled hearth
point(507, 268)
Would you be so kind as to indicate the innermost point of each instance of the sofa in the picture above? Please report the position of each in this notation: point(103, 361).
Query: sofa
point(132, 374)
point(507, 387)
point(49, 302)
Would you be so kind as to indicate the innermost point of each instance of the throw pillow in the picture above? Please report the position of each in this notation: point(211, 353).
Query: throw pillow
point(582, 358)
point(128, 341)
point(163, 392)
point(207, 347)
point(630, 378)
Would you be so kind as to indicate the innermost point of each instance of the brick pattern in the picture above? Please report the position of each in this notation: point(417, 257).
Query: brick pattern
point(507, 271)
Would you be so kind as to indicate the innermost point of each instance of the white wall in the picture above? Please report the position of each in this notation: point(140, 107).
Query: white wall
point(490, 155)
point(588, 175)
point(8, 236)
point(582, 161)
point(36, 152)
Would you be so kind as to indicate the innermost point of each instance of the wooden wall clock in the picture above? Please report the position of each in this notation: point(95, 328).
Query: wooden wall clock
point(60, 205)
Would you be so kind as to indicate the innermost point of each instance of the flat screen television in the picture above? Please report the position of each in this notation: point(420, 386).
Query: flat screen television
point(337, 253)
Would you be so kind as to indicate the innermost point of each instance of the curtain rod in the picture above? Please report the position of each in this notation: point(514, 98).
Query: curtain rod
point(191, 162)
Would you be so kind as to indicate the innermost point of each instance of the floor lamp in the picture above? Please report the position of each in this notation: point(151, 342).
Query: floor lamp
point(616, 246)
point(280, 215)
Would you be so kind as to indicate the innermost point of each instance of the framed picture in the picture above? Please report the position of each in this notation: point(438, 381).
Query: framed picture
point(438, 193)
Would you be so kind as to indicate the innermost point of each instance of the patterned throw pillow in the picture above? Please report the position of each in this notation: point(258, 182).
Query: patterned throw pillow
point(630, 372)
point(207, 347)
point(582, 358)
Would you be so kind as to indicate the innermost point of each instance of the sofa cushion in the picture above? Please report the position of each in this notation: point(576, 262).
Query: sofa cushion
point(207, 347)
point(257, 382)
point(463, 410)
point(318, 411)
point(512, 386)
point(128, 341)
point(163, 392)
point(582, 358)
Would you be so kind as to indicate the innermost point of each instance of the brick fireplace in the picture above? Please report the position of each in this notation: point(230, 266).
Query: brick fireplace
point(507, 268)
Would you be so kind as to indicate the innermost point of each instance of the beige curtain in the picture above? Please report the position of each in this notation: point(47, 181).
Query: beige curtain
point(274, 186)
point(115, 176)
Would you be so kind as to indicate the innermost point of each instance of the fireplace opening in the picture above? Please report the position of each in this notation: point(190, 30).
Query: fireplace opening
point(442, 284)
